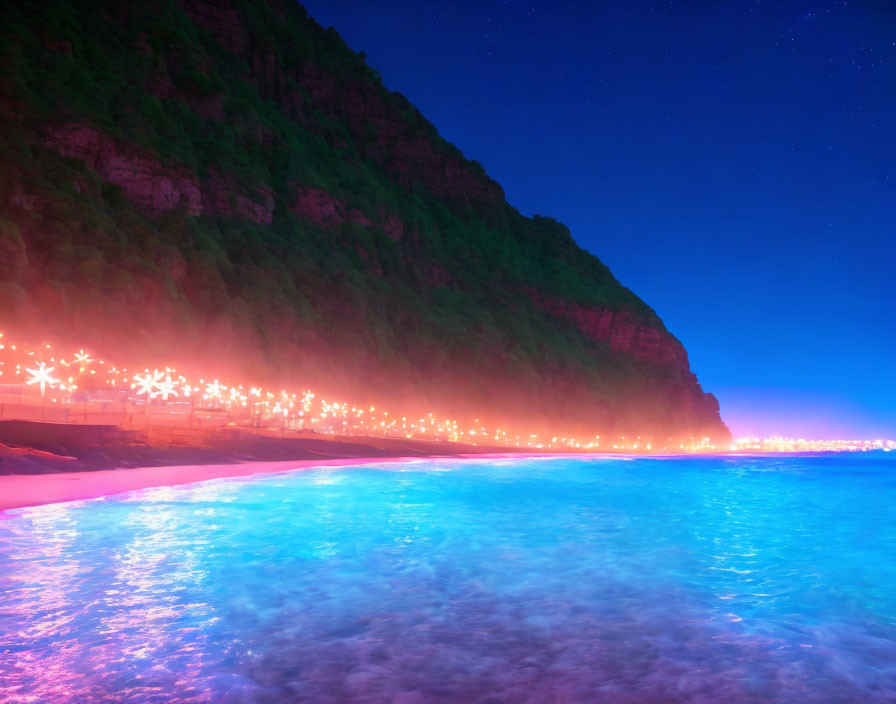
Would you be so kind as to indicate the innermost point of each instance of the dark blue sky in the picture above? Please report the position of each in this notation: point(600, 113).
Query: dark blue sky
point(732, 163)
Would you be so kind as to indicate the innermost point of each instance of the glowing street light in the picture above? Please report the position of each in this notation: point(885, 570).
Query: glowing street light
point(166, 387)
point(147, 383)
point(41, 376)
point(213, 391)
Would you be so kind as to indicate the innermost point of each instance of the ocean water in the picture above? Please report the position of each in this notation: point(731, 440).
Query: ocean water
point(706, 579)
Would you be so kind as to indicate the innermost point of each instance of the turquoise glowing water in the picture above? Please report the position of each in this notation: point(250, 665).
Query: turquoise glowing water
point(570, 580)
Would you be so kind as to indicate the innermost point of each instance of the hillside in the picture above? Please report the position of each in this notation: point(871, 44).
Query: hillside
point(226, 182)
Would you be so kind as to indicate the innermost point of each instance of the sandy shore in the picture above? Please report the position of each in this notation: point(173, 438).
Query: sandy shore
point(45, 463)
point(20, 490)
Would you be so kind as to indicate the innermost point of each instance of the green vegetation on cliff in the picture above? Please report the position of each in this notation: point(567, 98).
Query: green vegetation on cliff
point(232, 177)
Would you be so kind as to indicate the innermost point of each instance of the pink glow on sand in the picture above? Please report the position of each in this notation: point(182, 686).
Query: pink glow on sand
point(22, 491)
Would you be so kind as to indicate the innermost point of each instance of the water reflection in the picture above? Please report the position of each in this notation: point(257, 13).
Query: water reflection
point(567, 581)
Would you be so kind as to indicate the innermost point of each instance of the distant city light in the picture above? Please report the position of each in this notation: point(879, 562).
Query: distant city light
point(782, 444)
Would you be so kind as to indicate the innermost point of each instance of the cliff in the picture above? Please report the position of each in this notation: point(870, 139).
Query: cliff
point(226, 181)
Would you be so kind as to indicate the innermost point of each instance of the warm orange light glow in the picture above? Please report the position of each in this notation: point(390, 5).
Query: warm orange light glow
point(106, 393)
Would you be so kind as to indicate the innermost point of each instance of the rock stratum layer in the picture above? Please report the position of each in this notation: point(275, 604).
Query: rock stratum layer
point(227, 182)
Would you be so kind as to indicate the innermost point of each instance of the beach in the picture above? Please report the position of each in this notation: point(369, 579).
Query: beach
point(43, 463)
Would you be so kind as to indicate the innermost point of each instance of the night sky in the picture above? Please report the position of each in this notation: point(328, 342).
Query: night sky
point(732, 163)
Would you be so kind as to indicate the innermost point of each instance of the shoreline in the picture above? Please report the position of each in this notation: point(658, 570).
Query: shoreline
point(52, 463)
point(23, 491)
point(44, 463)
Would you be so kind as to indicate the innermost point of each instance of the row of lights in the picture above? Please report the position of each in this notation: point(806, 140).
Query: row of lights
point(43, 370)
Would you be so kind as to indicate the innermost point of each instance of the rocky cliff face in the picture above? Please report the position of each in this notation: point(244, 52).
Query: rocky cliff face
point(144, 180)
point(228, 180)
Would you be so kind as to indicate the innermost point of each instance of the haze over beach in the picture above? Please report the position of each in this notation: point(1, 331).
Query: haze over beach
point(373, 352)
